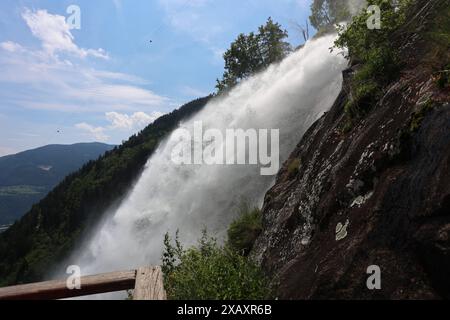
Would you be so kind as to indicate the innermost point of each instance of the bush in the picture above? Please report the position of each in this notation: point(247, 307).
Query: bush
point(363, 99)
point(376, 53)
point(210, 272)
point(294, 167)
point(443, 78)
point(417, 117)
point(243, 232)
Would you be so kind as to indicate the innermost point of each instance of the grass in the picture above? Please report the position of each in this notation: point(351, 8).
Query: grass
point(244, 231)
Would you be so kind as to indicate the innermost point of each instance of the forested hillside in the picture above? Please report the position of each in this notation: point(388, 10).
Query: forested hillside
point(49, 231)
point(26, 177)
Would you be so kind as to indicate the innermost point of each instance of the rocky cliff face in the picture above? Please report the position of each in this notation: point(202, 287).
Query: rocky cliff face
point(379, 195)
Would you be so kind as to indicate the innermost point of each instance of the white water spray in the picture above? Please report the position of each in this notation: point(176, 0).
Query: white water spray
point(289, 96)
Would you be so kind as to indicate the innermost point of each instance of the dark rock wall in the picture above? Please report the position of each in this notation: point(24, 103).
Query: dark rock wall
point(379, 195)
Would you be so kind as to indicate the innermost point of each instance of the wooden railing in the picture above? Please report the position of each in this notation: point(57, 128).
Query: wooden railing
point(147, 283)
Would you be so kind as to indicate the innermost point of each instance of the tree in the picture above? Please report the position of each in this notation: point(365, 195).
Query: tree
point(243, 58)
point(272, 46)
point(251, 53)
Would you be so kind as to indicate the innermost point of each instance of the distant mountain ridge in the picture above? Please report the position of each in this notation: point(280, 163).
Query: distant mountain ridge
point(26, 177)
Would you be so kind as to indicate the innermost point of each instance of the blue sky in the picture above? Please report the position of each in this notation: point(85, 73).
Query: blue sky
point(106, 81)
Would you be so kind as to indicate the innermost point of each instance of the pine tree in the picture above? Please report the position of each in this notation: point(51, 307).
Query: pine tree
point(271, 42)
point(252, 53)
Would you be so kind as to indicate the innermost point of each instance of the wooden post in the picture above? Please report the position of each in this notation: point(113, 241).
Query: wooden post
point(149, 284)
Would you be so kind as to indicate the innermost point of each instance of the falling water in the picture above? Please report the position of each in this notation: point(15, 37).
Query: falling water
point(288, 96)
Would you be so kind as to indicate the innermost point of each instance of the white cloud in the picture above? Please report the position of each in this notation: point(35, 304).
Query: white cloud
point(59, 84)
point(119, 121)
point(55, 34)
point(117, 76)
point(62, 86)
point(98, 133)
point(121, 94)
point(136, 121)
point(11, 46)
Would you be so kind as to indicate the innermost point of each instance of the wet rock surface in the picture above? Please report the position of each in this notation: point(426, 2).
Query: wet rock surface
point(379, 195)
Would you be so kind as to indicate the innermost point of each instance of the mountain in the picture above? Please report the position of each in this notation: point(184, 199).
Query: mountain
point(373, 197)
point(51, 229)
point(26, 177)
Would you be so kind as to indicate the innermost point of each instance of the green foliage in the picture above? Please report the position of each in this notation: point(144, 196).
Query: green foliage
point(45, 235)
point(210, 272)
point(376, 54)
point(348, 126)
point(271, 45)
point(244, 231)
point(172, 254)
point(364, 44)
point(363, 98)
point(417, 118)
point(443, 77)
point(405, 136)
point(252, 53)
point(440, 31)
point(294, 167)
point(439, 51)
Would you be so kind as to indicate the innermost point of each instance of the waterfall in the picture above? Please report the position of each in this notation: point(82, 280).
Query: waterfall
point(288, 96)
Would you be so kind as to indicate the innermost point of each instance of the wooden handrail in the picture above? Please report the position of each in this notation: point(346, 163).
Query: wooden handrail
point(147, 283)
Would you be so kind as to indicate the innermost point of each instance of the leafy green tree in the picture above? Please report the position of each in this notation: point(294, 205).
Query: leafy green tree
point(272, 46)
point(251, 53)
point(244, 57)
point(241, 60)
